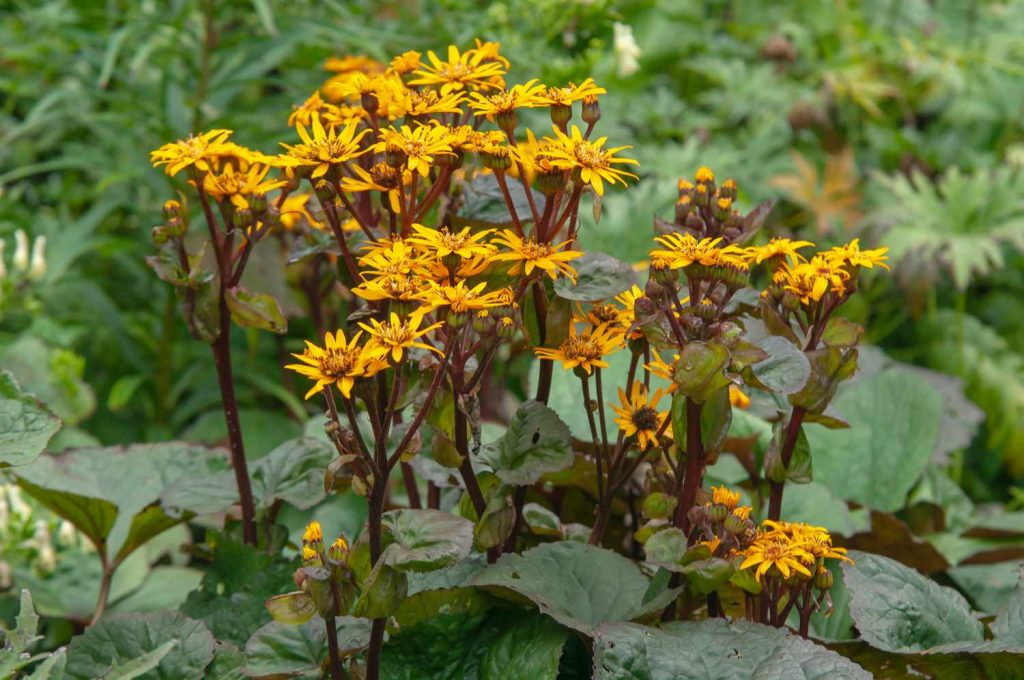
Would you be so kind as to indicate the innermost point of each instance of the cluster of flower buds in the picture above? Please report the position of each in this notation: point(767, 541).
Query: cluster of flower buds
point(721, 523)
point(705, 209)
point(324, 574)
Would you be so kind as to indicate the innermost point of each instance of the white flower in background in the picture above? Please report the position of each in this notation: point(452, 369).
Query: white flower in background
point(47, 560)
point(66, 534)
point(19, 508)
point(37, 267)
point(626, 50)
point(3, 267)
point(20, 261)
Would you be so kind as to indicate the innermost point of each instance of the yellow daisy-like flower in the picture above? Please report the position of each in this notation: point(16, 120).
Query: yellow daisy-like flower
point(810, 281)
point(461, 298)
point(638, 415)
point(391, 287)
point(324, 149)
point(743, 511)
point(394, 336)
point(778, 552)
point(296, 208)
point(309, 555)
point(381, 177)
point(419, 145)
point(566, 96)
point(304, 112)
point(195, 150)
point(528, 254)
point(596, 165)
point(585, 351)
point(440, 243)
point(682, 250)
point(780, 247)
point(474, 69)
point(394, 256)
point(721, 495)
point(851, 255)
point(416, 103)
point(336, 363)
point(238, 186)
point(525, 96)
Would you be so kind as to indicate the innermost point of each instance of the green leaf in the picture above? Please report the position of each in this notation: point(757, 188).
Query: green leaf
point(109, 493)
point(121, 638)
point(14, 653)
point(598, 277)
point(580, 586)
point(382, 592)
point(448, 645)
point(497, 522)
point(529, 649)
point(277, 649)
point(699, 372)
point(800, 469)
point(896, 609)
point(255, 310)
point(291, 608)
point(140, 665)
point(714, 649)
point(842, 332)
point(1009, 624)
point(708, 575)
point(829, 367)
point(894, 421)
point(541, 521)
point(483, 204)
point(26, 425)
point(666, 548)
point(165, 587)
point(246, 578)
point(786, 369)
point(424, 540)
point(814, 504)
point(537, 442)
point(715, 420)
point(293, 472)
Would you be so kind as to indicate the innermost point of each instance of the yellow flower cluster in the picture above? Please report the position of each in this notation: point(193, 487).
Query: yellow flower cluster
point(790, 548)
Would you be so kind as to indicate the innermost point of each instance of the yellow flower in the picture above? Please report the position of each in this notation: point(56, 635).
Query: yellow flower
point(474, 68)
point(780, 247)
point(353, 63)
point(682, 250)
point(810, 281)
point(441, 243)
point(294, 209)
point(461, 298)
point(662, 369)
point(528, 254)
point(381, 177)
point(418, 145)
point(406, 62)
point(325, 150)
point(309, 554)
point(394, 336)
point(525, 96)
point(336, 363)
point(743, 511)
point(415, 103)
point(565, 96)
point(638, 415)
point(303, 113)
point(704, 175)
point(237, 186)
point(391, 287)
point(584, 351)
point(394, 256)
point(737, 397)
point(313, 533)
point(851, 255)
point(594, 163)
point(778, 552)
point(720, 495)
point(196, 150)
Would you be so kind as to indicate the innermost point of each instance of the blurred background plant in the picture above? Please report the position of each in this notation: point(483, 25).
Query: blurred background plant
point(896, 121)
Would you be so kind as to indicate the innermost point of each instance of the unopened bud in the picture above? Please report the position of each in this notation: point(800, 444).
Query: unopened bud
point(324, 191)
point(338, 550)
point(718, 512)
point(823, 579)
point(507, 121)
point(258, 203)
point(735, 525)
point(21, 254)
point(242, 219)
point(395, 156)
point(369, 102)
point(172, 209)
point(560, 114)
point(591, 109)
point(496, 158)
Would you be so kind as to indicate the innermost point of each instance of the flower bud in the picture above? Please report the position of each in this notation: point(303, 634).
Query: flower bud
point(324, 191)
point(823, 579)
point(697, 515)
point(591, 109)
point(736, 525)
point(242, 219)
point(718, 512)
point(695, 224)
point(560, 114)
point(369, 102)
point(496, 158)
point(172, 209)
point(728, 189)
point(258, 203)
point(551, 182)
point(313, 533)
point(160, 235)
point(683, 206)
point(507, 121)
point(395, 156)
point(338, 551)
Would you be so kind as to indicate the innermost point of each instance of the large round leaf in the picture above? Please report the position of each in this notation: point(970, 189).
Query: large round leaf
point(26, 425)
point(537, 442)
point(714, 649)
point(423, 540)
point(579, 585)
